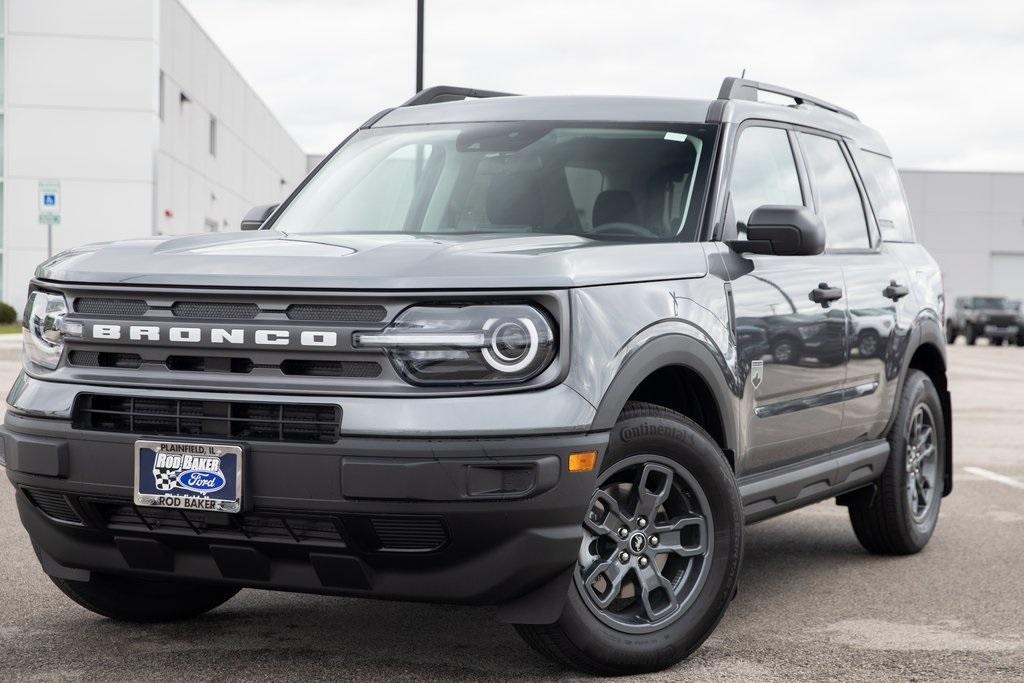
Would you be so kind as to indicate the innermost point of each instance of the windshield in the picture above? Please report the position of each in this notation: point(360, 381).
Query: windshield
point(992, 303)
point(638, 183)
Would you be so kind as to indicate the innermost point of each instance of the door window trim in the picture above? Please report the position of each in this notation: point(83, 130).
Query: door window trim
point(874, 234)
point(798, 162)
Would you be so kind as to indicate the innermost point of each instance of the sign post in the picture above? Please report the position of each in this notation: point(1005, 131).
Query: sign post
point(49, 210)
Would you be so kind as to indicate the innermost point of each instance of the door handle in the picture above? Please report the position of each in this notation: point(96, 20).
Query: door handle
point(895, 291)
point(825, 295)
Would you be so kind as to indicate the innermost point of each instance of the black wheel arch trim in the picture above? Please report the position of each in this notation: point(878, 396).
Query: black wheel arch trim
point(929, 330)
point(671, 350)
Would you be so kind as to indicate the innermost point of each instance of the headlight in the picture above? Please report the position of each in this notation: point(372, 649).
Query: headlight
point(43, 336)
point(477, 344)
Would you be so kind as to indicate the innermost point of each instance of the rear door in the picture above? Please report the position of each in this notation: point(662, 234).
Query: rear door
point(877, 286)
point(791, 350)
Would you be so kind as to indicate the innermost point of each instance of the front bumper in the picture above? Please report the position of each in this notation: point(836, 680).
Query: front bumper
point(1002, 331)
point(465, 520)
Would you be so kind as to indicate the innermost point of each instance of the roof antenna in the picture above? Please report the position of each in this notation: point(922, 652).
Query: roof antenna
point(743, 74)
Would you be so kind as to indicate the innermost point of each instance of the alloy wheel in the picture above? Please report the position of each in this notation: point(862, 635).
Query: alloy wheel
point(922, 462)
point(648, 540)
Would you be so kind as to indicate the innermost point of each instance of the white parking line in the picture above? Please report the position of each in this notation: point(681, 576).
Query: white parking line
point(995, 476)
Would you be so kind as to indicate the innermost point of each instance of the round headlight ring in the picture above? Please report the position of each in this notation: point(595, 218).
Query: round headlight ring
point(498, 359)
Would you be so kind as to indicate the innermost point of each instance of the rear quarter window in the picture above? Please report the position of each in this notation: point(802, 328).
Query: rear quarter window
point(885, 191)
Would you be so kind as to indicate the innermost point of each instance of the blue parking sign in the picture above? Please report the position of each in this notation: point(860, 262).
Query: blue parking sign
point(49, 200)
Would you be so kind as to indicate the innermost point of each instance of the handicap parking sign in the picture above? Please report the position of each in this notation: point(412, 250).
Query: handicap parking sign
point(49, 202)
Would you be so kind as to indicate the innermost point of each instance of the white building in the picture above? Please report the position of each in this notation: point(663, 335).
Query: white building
point(973, 224)
point(137, 114)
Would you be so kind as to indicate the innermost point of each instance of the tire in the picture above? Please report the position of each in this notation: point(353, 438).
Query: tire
point(996, 342)
point(642, 636)
point(786, 351)
point(125, 598)
point(869, 344)
point(971, 335)
point(951, 334)
point(890, 522)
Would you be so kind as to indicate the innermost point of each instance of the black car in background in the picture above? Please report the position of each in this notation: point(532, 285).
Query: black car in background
point(994, 318)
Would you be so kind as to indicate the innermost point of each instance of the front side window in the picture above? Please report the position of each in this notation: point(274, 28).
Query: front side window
point(603, 182)
point(840, 206)
point(763, 172)
point(882, 181)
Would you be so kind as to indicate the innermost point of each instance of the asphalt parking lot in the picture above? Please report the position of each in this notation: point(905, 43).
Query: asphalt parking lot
point(812, 604)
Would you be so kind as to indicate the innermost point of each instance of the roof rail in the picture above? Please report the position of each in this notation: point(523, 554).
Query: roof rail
point(743, 89)
point(447, 93)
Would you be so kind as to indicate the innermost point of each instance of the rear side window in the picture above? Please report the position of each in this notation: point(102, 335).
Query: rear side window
point(840, 206)
point(885, 191)
point(763, 172)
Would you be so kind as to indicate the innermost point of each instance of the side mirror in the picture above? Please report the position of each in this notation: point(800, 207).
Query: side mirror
point(257, 216)
point(783, 231)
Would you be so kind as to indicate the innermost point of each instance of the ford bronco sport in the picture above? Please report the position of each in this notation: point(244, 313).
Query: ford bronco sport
point(546, 353)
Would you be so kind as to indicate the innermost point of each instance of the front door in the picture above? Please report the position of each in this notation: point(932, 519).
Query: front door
point(791, 350)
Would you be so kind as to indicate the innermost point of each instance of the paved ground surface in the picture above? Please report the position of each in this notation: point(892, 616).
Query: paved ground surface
point(812, 605)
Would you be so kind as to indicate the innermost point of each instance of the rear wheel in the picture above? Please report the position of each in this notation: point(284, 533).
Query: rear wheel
point(900, 517)
point(971, 334)
point(661, 551)
point(951, 334)
point(127, 598)
point(997, 342)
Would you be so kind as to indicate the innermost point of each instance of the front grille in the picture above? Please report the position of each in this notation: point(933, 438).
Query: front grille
point(297, 422)
point(331, 313)
point(215, 311)
point(53, 504)
point(409, 533)
point(330, 368)
point(104, 359)
point(289, 527)
point(1002, 320)
point(111, 308)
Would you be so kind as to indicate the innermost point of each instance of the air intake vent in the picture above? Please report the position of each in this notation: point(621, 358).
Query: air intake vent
point(290, 528)
point(54, 505)
point(112, 308)
point(329, 313)
point(331, 368)
point(215, 311)
point(298, 422)
point(102, 359)
point(410, 533)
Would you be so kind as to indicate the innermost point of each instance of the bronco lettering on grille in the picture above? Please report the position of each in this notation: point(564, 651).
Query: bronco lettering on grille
point(216, 335)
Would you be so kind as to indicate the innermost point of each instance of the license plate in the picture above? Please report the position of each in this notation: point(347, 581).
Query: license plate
point(188, 476)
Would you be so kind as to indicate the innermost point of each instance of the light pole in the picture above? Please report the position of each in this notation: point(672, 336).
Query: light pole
point(419, 45)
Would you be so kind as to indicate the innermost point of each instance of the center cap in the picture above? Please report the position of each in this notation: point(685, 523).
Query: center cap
point(637, 542)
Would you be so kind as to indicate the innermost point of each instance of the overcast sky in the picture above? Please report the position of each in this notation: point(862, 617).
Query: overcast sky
point(943, 80)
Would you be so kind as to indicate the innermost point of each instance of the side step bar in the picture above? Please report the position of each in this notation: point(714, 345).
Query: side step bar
point(767, 494)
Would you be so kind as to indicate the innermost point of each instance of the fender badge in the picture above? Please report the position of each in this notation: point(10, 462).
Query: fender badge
point(756, 372)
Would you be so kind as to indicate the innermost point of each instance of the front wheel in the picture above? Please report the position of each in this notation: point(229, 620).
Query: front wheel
point(126, 598)
point(900, 517)
point(660, 555)
point(972, 335)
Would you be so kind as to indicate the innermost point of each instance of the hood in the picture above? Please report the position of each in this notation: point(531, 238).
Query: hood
point(271, 259)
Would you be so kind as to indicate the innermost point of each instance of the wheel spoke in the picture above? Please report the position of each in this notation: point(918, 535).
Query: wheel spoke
point(653, 583)
point(604, 518)
point(652, 488)
point(670, 536)
point(919, 485)
point(613, 572)
point(924, 437)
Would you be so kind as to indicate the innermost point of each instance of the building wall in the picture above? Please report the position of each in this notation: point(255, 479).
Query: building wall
point(82, 104)
point(973, 224)
point(253, 160)
point(79, 108)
